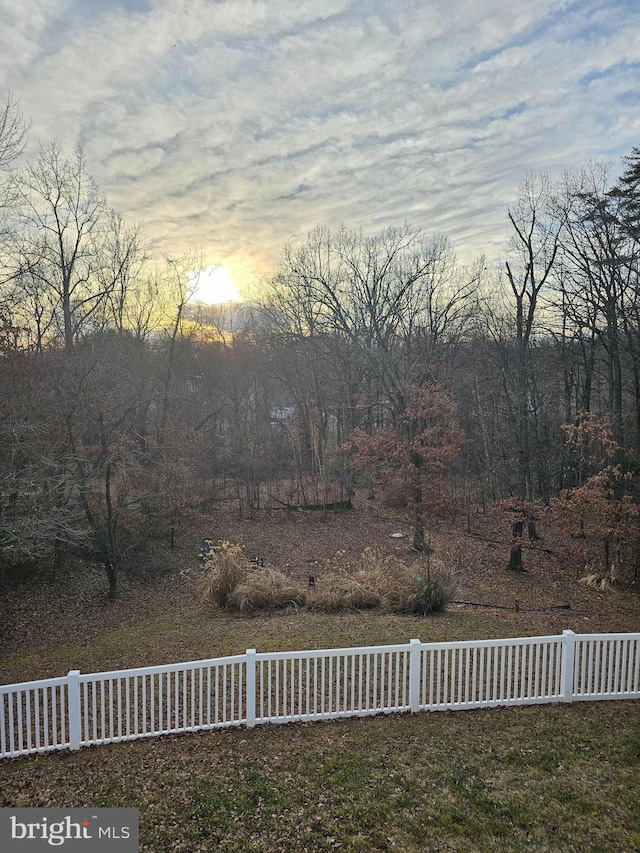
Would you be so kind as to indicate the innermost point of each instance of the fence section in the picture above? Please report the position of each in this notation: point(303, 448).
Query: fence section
point(274, 687)
point(331, 683)
point(34, 717)
point(481, 674)
point(606, 666)
point(160, 700)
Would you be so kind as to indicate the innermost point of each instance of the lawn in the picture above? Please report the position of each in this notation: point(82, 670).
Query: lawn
point(548, 778)
point(552, 778)
point(545, 778)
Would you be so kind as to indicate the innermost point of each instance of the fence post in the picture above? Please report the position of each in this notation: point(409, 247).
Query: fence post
point(568, 657)
point(415, 655)
point(73, 699)
point(251, 688)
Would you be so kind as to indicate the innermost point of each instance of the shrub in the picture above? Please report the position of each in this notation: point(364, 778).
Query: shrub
point(421, 595)
point(265, 589)
point(228, 568)
point(334, 592)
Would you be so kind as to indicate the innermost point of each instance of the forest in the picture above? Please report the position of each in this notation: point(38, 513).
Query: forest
point(372, 361)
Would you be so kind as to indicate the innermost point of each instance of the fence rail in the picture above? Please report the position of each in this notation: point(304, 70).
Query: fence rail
point(277, 687)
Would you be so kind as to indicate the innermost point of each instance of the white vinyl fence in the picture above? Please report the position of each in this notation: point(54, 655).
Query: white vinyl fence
point(278, 687)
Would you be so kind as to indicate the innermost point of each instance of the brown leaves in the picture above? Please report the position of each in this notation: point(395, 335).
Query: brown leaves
point(410, 456)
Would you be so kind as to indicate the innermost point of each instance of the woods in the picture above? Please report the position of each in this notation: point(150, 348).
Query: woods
point(370, 360)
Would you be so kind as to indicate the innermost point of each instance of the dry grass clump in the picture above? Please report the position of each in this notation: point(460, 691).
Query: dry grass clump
point(234, 583)
point(598, 581)
point(265, 589)
point(342, 583)
point(598, 577)
point(335, 592)
point(228, 568)
point(377, 580)
point(421, 596)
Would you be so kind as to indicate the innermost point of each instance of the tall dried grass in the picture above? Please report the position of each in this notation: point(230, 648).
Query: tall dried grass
point(421, 596)
point(227, 568)
point(234, 583)
point(378, 580)
point(265, 589)
point(373, 580)
point(599, 581)
point(335, 591)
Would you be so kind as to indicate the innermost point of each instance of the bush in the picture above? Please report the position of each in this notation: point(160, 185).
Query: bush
point(334, 592)
point(421, 596)
point(228, 569)
point(265, 589)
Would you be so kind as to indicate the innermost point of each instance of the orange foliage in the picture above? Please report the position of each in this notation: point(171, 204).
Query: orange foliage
point(410, 458)
point(600, 514)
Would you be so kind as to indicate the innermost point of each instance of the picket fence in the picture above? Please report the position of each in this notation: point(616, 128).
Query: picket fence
point(280, 687)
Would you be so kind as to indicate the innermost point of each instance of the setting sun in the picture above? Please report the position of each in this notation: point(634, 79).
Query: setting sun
point(213, 285)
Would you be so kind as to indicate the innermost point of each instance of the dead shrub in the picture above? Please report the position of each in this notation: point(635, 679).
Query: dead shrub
point(378, 580)
point(265, 589)
point(335, 592)
point(228, 567)
point(420, 595)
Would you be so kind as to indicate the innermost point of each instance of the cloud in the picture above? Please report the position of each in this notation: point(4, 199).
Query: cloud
point(234, 125)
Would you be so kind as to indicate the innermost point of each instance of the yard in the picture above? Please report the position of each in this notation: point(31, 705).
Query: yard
point(545, 778)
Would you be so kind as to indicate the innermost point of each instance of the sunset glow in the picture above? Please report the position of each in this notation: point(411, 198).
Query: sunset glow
point(213, 285)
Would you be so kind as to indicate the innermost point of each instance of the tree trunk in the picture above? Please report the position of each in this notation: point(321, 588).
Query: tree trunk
point(515, 560)
point(419, 542)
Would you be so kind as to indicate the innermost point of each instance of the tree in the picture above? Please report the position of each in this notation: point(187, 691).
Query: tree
point(410, 457)
point(627, 190)
point(626, 201)
point(532, 252)
point(534, 246)
point(380, 309)
point(72, 257)
point(102, 396)
point(601, 514)
point(39, 518)
point(599, 280)
point(13, 138)
point(13, 132)
point(178, 330)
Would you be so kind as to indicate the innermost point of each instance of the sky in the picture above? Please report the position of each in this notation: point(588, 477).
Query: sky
point(232, 126)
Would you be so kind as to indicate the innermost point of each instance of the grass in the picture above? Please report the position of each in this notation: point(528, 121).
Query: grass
point(207, 635)
point(553, 778)
point(545, 778)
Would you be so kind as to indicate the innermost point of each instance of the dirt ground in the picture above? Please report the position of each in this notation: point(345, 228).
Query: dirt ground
point(73, 609)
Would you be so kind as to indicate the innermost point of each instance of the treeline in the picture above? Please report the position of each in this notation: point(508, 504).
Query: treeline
point(123, 404)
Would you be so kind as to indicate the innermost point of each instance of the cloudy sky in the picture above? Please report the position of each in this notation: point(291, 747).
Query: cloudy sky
point(234, 125)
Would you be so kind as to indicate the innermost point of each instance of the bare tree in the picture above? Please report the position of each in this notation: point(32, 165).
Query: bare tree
point(69, 251)
point(394, 295)
point(13, 138)
point(13, 132)
point(599, 286)
point(531, 258)
point(390, 301)
point(533, 251)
